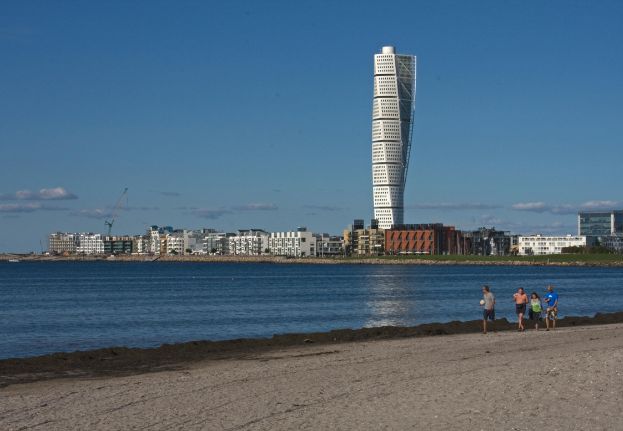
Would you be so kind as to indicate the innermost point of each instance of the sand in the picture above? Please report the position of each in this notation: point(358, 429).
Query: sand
point(571, 378)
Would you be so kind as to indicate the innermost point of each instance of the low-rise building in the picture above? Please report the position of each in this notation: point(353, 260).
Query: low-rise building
point(89, 243)
point(62, 242)
point(249, 242)
point(329, 246)
point(118, 244)
point(140, 244)
point(432, 238)
point(217, 243)
point(486, 242)
point(541, 244)
point(174, 243)
point(612, 242)
point(364, 241)
point(299, 243)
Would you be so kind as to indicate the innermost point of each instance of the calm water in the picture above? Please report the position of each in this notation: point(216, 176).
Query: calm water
point(65, 306)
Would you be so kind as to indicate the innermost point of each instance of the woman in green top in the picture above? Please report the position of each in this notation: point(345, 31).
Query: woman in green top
point(535, 310)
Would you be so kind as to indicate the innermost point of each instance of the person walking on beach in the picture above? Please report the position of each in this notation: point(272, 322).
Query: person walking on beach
point(488, 312)
point(521, 299)
point(551, 312)
point(534, 313)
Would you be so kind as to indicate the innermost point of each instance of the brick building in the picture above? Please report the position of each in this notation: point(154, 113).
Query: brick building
point(432, 238)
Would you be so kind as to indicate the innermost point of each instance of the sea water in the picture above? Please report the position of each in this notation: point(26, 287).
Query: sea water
point(48, 307)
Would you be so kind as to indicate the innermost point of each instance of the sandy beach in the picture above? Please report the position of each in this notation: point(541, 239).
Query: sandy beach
point(571, 378)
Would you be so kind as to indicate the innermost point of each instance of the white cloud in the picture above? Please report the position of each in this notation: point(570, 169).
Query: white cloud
point(210, 214)
point(55, 193)
point(27, 207)
point(256, 207)
point(450, 206)
point(564, 209)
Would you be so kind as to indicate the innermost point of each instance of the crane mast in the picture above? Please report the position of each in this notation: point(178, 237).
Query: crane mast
point(114, 211)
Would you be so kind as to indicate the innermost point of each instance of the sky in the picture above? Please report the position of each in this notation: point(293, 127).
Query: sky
point(248, 114)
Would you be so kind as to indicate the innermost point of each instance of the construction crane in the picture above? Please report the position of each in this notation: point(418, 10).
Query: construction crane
point(114, 211)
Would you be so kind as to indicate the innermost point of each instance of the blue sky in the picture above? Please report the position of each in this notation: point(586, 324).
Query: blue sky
point(257, 114)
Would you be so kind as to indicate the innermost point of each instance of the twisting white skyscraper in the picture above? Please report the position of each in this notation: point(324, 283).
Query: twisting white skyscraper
point(392, 122)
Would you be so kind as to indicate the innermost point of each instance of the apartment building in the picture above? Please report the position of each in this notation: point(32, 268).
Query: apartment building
point(249, 242)
point(299, 243)
point(541, 244)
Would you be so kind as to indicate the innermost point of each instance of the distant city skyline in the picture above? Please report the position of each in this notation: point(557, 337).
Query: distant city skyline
point(257, 115)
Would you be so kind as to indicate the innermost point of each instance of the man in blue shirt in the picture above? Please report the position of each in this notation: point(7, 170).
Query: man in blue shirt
point(551, 299)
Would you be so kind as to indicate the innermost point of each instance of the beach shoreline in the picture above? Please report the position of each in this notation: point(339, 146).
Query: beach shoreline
point(121, 360)
point(502, 380)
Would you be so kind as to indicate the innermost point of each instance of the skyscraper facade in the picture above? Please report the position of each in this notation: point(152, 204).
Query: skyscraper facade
point(392, 123)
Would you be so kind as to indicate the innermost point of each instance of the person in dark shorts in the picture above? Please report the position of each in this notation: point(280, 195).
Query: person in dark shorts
point(521, 300)
point(488, 304)
point(551, 312)
point(534, 313)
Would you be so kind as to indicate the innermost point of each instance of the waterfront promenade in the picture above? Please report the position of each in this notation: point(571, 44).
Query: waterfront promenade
point(602, 260)
point(570, 378)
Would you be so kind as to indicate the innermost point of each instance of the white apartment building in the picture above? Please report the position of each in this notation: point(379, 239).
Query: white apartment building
point(295, 244)
point(175, 243)
point(392, 121)
point(540, 244)
point(153, 242)
point(89, 243)
point(140, 244)
point(249, 242)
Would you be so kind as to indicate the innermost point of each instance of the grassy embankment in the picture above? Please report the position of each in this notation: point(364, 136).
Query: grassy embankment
point(588, 259)
point(560, 259)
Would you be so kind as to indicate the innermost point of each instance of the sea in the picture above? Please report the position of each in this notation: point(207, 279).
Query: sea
point(48, 307)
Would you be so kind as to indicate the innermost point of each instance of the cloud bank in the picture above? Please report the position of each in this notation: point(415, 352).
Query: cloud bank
point(256, 207)
point(28, 207)
point(453, 206)
point(210, 214)
point(55, 193)
point(565, 209)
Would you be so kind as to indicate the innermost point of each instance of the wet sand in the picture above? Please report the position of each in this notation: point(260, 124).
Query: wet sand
point(503, 380)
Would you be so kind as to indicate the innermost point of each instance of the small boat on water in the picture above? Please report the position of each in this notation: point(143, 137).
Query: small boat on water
point(13, 260)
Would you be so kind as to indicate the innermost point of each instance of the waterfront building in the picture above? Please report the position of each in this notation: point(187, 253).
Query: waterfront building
point(486, 242)
point(217, 243)
point(194, 241)
point(174, 243)
point(299, 243)
point(118, 244)
point(328, 245)
point(249, 242)
point(541, 244)
point(600, 223)
point(434, 238)
point(62, 242)
point(153, 240)
point(364, 241)
point(140, 244)
point(612, 242)
point(392, 121)
point(89, 243)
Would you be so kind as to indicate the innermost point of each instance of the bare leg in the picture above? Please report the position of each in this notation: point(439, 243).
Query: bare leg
point(484, 326)
point(521, 321)
point(547, 319)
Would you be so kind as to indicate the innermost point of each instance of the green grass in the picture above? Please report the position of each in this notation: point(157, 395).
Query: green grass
point(556, 258)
